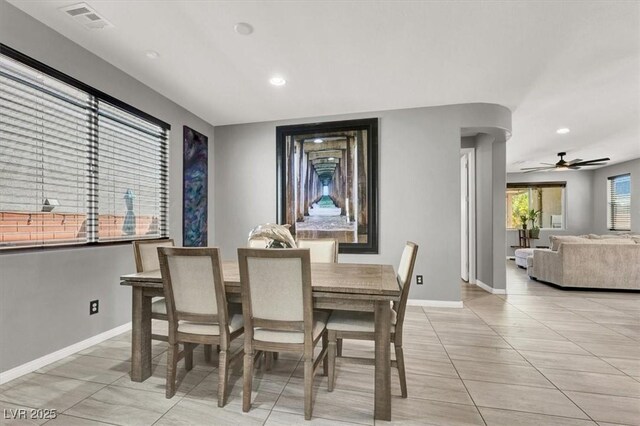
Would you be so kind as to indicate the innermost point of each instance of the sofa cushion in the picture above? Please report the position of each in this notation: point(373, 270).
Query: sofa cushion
point(609, 241)
point(556, 240)
point(608, 236)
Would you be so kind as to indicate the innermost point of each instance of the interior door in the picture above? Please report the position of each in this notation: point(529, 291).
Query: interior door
point(464, 217)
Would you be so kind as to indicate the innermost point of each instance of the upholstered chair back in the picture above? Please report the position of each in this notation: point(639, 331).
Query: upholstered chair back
point(193, 284)
point(324, 250)
point(146, 254)
point(405, 272)
point(258, 243)
point(276, 288)
point(404, 269)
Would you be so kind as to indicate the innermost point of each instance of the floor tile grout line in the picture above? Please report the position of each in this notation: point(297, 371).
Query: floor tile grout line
point(545, 325)
point(47, 373)
point(540, 414)
point(518, 352)
point(289, 381)
point(83, 418)
point(84, 399)
point(455, 368)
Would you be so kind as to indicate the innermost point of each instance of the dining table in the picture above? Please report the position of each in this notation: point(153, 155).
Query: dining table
point(336, 286)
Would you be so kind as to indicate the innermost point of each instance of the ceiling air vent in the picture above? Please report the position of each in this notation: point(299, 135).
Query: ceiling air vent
point(86, 16)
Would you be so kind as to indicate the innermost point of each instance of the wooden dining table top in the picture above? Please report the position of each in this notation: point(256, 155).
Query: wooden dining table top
point(369, 279)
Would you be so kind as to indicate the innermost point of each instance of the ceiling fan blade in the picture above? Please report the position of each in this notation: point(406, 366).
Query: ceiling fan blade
point(533, 169)
point(572, 162)
point(573, 167)
point(588, 162)
point(593, 164)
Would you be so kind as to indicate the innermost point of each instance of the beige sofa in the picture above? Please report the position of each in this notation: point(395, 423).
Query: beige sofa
point(596, 262)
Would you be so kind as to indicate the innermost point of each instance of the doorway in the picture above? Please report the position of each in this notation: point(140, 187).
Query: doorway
point(468, 215)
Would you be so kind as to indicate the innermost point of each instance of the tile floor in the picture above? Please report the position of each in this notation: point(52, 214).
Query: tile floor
point(539, 356)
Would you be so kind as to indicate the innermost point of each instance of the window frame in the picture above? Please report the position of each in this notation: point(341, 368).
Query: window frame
point(610, 224)
point(98, 96)
point(532, 185)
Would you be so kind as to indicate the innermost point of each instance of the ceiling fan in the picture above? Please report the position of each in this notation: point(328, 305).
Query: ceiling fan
point(567, 165)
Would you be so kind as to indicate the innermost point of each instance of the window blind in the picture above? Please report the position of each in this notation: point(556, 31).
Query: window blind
point(132, 173)
point(619, 200)
point(73, 167)
point(44, 128)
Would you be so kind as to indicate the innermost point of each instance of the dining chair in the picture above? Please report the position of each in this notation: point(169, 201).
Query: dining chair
point(323, 250)
point(258, 243)
point(277, 306)
point(197, 311)
point(360, 325)
point(146, 256)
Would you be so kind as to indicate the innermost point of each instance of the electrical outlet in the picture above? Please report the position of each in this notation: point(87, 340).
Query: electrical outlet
point(419, 279)
point(94, 306)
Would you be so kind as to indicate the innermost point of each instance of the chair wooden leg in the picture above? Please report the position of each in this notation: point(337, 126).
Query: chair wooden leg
point(339, 347)
point(331, 358)
point(325, 360)
point(188, 356)
point(172, 365)
point(268, 360)
point(247, 374)
point(308, 388)
point(401, 371)
point(208, 349)
point(223, 374)
point(275, 356)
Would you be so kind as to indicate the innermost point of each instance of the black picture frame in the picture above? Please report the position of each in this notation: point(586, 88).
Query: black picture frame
point(363, 213)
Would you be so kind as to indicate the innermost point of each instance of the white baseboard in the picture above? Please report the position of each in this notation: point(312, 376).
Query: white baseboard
point(21, 370)
point(435, 303)
point(490, 289)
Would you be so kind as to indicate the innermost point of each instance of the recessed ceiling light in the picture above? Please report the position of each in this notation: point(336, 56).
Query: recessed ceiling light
point(563, 131)
point(243, 28)
point(151, 54)
point(318, 140)
point(277, 81)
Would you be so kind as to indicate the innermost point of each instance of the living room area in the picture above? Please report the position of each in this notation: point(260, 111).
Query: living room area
point(576, 228)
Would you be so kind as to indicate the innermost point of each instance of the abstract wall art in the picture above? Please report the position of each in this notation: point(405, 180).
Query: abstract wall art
point(194, 189)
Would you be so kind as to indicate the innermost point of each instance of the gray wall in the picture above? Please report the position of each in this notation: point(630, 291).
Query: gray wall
point(419, 177)
point(600, 195)
point(490, 230)
point(578, 203)
point(44, 295)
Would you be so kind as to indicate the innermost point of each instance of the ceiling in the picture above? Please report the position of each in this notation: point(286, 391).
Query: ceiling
point(554, 64)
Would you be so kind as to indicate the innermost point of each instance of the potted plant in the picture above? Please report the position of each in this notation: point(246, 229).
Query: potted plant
point(532, 216)
point(524, 218)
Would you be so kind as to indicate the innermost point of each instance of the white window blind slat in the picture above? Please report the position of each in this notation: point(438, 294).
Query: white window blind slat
point(74, 168)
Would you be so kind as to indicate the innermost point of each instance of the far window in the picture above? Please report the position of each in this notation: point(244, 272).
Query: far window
point(546, 199)
point(619, 203)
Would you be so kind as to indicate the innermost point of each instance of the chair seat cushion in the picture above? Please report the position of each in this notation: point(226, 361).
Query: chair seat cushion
point(236, 322)
point(356, 321)
point(159, 306)
point(276, 336)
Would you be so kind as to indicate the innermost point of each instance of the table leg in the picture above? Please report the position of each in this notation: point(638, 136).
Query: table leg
point(140, 336)
point(382, 408)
